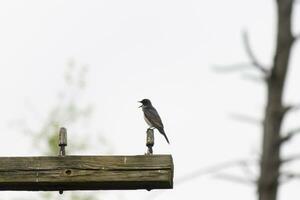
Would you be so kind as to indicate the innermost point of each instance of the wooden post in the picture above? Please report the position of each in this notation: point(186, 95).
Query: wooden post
point(86, 173)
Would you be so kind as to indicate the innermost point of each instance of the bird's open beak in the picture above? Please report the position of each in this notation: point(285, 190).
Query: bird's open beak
point(140, 105)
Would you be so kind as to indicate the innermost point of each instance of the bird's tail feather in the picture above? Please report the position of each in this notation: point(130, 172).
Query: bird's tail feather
point(164, 134)
point(166, 138)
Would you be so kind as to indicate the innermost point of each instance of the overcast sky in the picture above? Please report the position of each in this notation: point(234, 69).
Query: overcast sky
point(161, 50)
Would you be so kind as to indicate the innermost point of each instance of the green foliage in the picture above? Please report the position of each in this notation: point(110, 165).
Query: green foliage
point(68, 110)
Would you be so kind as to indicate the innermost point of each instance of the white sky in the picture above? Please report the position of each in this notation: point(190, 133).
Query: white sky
point(161, 50)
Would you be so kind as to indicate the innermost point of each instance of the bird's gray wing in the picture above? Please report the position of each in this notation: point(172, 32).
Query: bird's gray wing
point(152, 115)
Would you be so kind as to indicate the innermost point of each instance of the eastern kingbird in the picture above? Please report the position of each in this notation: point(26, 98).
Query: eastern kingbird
point(152, 118)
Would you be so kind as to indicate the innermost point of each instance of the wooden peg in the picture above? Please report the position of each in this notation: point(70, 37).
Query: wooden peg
point(62, 141)
point(150, 141)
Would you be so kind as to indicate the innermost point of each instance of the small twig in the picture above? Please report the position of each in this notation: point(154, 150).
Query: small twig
point(246, 168)
point(245, 118)
point(255, 79)
point(206, 171)
point(296, 1)
point(244, 66)
point(210, 170)
point(290, 108)
point(291, 174)
point(251, 55)
point(291, 158)
point(235, 178)
point(289, 135)
point(288, 176)
point(232, 68)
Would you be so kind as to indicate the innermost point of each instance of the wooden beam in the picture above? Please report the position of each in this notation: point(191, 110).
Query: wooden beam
point(86, 173)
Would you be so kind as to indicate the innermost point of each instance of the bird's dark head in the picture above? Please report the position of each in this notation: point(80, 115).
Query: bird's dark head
point(145, 102)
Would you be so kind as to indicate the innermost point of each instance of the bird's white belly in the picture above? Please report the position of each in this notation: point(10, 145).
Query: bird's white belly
point(147, 121)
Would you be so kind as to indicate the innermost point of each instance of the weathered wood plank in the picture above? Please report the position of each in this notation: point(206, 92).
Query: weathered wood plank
point(86, 173)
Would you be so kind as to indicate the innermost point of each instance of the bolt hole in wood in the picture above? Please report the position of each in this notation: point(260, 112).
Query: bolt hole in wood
point(68, 172)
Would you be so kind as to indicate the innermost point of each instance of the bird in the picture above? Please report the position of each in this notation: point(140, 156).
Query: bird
point(152, 117)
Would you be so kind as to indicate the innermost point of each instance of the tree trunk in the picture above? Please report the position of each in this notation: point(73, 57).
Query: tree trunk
point(274, 113)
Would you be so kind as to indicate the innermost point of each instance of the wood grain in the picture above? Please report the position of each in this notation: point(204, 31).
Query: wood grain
point(86, 173)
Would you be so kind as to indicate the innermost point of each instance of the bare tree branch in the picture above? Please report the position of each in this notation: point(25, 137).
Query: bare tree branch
point(232, 68)
point(239, 67)
point(255, 79)
point(297, 36)
point(245, 166)
point(215, 169)
point(290, 108)
point(235, 178)
point(288, 176)
point(212, 169)
point(296, 1)
point(251, 55)
point(246, 118)
point(289, 135)
point(293, 175)
point(291, 158)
